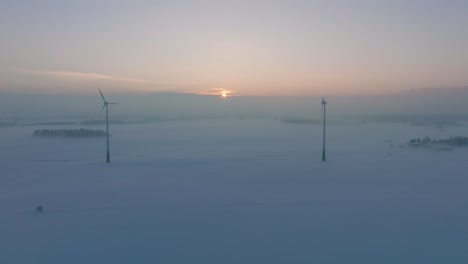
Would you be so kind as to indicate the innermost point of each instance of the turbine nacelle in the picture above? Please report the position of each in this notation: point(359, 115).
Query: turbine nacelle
point(104, 100)
point(324, 103)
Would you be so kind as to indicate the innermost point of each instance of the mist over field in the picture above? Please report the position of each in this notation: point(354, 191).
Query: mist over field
point(204, 179)
point(410, 105)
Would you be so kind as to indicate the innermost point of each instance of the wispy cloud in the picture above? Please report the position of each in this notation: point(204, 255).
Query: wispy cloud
point(89, 76)
point(215, 91)
point(141, 85)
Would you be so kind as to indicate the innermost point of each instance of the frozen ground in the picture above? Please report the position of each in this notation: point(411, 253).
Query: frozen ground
point(245, 191)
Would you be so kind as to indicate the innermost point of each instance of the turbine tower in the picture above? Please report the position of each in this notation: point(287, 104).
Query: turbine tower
point(324, 111)
point(106, 105)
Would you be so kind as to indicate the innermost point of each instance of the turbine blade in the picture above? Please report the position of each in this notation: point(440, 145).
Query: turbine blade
point(112, 103)
point(104, 106)
point(104, 99)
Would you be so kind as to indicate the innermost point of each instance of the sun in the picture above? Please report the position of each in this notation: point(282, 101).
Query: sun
point(223, 94)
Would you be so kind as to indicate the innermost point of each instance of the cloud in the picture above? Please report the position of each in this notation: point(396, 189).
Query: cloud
point(91, 76)
point(141, 85)
point(215, 91)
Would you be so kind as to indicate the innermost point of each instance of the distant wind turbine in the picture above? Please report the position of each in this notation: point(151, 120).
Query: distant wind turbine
point(106, 105)
point(324, 111)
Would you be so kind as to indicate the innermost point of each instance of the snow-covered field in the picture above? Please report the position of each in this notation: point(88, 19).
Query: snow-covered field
point(233, 191)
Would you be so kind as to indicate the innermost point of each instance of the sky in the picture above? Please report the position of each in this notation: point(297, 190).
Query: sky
point(293, 48)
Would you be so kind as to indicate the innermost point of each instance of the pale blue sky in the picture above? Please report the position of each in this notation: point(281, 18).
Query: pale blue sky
point(248, 47)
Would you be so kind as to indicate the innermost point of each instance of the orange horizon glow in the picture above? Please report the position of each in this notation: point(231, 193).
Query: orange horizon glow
point(65, 82)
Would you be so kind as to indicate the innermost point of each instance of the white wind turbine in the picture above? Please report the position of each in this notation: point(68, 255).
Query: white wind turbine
point(106, 106)
point(324, 111)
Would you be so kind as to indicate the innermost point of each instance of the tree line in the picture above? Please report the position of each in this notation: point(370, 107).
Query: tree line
point(457, 141)
point(79, 132)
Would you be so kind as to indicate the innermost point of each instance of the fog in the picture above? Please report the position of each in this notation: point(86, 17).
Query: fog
point(412, 105)
point(201, 179)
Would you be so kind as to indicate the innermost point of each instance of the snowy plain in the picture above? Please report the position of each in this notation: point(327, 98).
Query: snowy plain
point(234, 191)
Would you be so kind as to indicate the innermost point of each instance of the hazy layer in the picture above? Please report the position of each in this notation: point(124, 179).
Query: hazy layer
point(415, 105)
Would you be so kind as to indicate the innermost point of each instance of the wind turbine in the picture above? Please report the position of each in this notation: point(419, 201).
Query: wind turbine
point(324, 112)
point(106, 105)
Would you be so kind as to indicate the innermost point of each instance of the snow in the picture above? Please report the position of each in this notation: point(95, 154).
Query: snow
point(233, 191)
